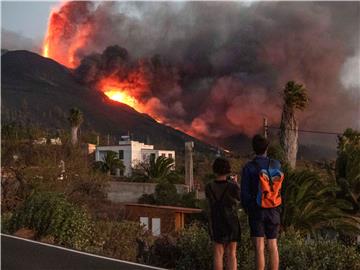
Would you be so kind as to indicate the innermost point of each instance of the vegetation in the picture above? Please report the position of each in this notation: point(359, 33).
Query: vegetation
point(156, 170)
point(311, 205)
point(166, 194)
point(348, 170)
point(51, 214)
point(295, 98)
point(75, 118)
point(111, 164)
point(319, 206)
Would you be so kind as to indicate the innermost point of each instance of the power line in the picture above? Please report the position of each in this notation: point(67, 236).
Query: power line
point(310, 131)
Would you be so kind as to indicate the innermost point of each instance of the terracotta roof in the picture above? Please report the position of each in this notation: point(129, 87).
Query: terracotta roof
point(172, 208)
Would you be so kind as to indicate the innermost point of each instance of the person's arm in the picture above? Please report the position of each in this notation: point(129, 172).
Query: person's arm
point(245, 188)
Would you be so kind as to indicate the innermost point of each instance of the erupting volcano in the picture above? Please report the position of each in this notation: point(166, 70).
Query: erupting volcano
point(68, 34)
point(211, 78)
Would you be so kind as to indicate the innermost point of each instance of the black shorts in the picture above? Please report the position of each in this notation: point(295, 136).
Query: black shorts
point(264, 222)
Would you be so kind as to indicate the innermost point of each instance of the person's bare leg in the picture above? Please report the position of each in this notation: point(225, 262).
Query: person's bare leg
point(274, 254)
point(231, 262)
point(218, 256)
point(259, 252)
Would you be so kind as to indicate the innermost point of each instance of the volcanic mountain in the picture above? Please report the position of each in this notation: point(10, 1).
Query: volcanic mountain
point(42, 91)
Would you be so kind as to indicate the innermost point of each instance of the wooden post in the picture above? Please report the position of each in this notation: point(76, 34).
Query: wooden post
point(265, 127)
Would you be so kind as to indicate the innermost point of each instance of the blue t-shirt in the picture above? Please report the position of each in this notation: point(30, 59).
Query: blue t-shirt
point(250, 178)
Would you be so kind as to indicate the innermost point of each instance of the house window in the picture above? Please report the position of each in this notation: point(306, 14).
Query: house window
point(121, 154)
point(163, 155)
point(155, 226)
point(145, 222)
point(170, 156)
point(152, 156)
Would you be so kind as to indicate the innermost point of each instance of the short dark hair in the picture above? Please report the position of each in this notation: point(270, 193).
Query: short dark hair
point(221, 166)
point(260, 144)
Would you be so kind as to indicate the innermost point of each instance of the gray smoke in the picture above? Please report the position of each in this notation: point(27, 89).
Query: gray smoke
point(217, 68)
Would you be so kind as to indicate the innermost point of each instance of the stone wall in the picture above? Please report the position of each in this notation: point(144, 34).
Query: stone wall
point(131, 192)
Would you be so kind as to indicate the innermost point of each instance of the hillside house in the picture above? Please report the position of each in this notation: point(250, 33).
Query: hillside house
point(132, 153)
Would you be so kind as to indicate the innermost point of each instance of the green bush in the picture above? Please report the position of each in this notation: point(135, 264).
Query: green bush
point(51, 214)
point(122, 240)
point(195, 249)
point(164, 252)
point(192, 249)
point(298, 253)
point(5, 222)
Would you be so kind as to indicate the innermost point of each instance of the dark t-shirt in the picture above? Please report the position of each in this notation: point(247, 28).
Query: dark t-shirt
point(230, 201)
point(231, 197)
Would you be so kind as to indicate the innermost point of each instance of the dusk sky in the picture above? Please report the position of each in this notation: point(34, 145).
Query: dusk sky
point(26, 18)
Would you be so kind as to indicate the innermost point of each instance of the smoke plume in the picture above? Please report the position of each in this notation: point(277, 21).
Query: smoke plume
point(215, 69)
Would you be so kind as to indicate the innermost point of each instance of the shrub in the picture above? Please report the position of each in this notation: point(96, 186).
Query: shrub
point(51, 214)
point(195, 248)
point(5, 222)
point(147, 199)
point(166, 193)
point(122, 240)
point(164, 252)
point(298, 253)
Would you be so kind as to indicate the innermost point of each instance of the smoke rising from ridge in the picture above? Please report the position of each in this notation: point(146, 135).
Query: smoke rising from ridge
point(214, 69)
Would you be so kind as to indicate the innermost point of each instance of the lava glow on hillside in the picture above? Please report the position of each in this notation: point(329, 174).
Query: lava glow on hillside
point(63, 42)
point(119, 91)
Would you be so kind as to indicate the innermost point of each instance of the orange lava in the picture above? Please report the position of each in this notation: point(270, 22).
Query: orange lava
point(63, 38)
point(119, 91)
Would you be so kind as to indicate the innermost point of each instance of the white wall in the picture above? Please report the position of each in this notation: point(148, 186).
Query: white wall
point(100, 155)
point(134, 153)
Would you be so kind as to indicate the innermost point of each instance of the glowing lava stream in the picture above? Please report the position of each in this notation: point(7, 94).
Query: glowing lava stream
point(121, 96)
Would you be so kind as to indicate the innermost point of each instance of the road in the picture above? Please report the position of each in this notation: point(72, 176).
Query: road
point(19, 254)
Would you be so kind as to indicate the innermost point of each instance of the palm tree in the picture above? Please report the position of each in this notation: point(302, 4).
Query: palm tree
point(310, 204)
point(110, 164)
point(75, 119)
point(295, 98)
point(158, 169)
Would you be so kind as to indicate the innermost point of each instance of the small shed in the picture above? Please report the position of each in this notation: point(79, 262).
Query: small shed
point(159, 218)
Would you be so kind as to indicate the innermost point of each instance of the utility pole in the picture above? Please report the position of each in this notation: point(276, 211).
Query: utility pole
point(189, 166)
point(265, 127)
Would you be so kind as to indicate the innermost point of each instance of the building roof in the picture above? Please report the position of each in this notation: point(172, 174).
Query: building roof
point(166, 207)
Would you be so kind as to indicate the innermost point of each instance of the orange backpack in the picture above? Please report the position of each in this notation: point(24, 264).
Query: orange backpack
point(269, 190)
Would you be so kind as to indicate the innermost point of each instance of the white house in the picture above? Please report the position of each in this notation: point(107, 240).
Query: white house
point(132, 153)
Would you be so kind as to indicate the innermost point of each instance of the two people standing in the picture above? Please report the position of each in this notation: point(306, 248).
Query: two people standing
point(260, 198)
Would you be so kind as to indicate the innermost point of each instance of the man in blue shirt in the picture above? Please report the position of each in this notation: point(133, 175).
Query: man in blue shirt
point(262, 221)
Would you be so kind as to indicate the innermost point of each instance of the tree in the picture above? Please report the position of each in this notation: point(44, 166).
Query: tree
point(295, 98)
point(157, 170)
point(111, 163)
point(347, 171)
point(76, 118)
point(310, 204)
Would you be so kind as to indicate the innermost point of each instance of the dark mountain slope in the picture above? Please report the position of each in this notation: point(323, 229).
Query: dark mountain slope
point(42, 91)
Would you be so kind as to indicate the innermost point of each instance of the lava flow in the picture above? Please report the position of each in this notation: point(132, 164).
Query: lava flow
point(118, 91)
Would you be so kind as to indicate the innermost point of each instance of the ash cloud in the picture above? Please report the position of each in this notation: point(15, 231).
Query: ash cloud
point(221, 66)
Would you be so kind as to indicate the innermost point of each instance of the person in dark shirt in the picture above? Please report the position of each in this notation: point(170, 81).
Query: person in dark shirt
point(223, 196)
point(262, 221)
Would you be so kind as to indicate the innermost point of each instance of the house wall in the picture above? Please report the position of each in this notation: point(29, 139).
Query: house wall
point(100, 155)
point(131, 192)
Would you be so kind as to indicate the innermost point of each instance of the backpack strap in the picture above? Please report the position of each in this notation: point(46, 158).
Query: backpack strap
point(222, 195)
